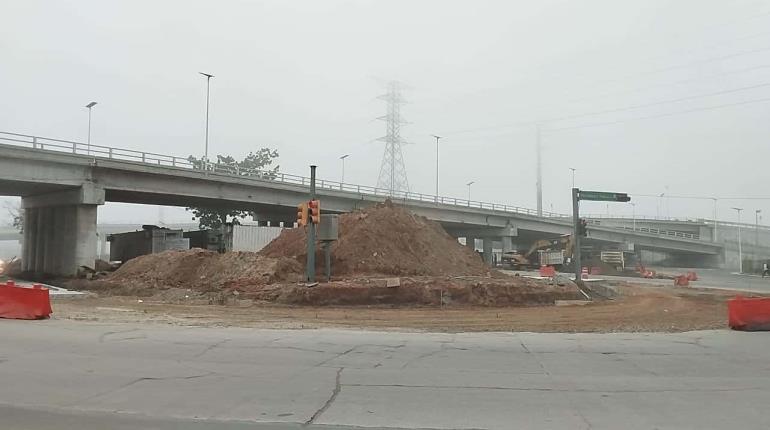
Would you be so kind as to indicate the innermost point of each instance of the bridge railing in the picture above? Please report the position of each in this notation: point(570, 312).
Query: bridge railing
point(100, 151)
point(122, 154)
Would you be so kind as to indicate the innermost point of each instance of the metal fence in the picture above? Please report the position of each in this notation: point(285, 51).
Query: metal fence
point(173, 162)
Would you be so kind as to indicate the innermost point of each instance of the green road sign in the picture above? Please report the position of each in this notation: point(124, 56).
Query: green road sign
point(603, 196)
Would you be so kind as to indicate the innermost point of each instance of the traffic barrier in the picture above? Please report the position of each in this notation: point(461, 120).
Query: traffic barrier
point(649, 274)
point(749, 314)
point(692, 276)
point(681, 281)
point(548, 271)
point(584, 273)
point(24, 303)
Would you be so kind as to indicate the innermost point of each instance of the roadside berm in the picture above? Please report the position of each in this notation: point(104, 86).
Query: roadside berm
point(385, 255)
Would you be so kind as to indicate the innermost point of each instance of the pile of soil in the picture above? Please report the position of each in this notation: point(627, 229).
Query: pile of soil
point(197, 270)
point(385, 240)
point(421, 291)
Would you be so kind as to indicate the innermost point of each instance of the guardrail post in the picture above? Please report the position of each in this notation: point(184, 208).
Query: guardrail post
point(74, 148)
point(173, 161)
point(110, 153)
point(34, 142)
point(358, 189)
point(143, 157)
point(283, 179)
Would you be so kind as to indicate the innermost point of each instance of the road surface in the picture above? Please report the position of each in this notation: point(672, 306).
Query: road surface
point(85, 376)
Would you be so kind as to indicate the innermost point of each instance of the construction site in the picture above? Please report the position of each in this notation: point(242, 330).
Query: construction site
point(389, 269)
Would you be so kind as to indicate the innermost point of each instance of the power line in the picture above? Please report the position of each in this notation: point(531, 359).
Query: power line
point(706, 108)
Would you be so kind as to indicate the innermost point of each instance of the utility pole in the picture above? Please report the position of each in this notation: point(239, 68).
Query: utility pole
point(89, 106)
point(437, 139)
point(740, 249)
point(538, 151)
point(208, 92)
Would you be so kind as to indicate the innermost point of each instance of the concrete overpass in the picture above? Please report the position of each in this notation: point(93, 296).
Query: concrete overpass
point(62, 183)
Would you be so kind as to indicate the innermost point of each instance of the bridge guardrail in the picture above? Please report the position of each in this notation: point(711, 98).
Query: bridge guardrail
point(122, 154)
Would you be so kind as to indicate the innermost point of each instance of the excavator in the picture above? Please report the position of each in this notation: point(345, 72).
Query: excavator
point(532, 258)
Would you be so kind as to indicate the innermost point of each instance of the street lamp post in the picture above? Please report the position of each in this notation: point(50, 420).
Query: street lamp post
point(633, 214)
point(469, 191)
point(208, 92)
point(437, 139)
point(740, 249)
point(342, 180)
point(573, 176)
point(716, 224)
point(89, 106)
point(756, 231)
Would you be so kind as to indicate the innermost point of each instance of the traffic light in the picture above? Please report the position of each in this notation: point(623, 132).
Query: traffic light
point(315, 211)
point(302, 214)
point(583, 227)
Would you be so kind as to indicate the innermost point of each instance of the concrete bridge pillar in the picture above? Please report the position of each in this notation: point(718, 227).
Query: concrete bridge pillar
point(487, 250)
point(60, 231)
point(507, 243)
point(470, 242)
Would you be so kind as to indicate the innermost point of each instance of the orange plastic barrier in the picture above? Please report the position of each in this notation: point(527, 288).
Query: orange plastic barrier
point(749, 314)
point(24, 303)
point(547, 271)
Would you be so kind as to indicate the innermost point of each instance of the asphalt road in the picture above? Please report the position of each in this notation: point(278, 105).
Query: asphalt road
point(85, 376)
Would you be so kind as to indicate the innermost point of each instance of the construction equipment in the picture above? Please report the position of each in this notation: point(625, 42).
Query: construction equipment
point(549, 252)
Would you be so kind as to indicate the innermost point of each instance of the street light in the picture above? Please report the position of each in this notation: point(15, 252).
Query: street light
point(89, 106)
point(469, 191)
point(208, 87)
point(633, 213)
point(756, 230)
point(573, 176)
point(437, 139)
point(740, 250)
point(660, 202)
point(716, 224)
point(342, 181)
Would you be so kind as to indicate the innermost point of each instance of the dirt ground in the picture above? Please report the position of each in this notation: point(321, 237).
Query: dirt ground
point(639, 308)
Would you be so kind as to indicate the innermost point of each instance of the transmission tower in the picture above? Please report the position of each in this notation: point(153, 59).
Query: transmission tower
point(392, 171)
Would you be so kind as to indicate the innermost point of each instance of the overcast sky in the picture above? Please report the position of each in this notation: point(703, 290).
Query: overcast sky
point(645, 97)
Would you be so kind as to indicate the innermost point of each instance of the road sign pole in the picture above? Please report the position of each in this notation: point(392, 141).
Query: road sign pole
point(310, 268)
point(576, 237)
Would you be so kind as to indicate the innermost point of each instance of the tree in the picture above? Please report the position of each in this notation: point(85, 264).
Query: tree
point(17, 215)
point(256, 164)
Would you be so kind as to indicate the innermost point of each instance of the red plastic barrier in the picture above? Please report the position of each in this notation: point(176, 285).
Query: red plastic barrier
point(692, 276)
point(24, 303)
point(749, 314)
point(682, 281)
point(547, 271)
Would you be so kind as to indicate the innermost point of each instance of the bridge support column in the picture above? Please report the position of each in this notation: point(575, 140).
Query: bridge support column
point(507, 244)
point(60, 231)
point(470, 242)
point(488, 250)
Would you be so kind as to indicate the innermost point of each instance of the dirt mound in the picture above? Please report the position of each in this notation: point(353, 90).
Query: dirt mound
point(199, 270)
point(420, 291)
point(385, 240)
